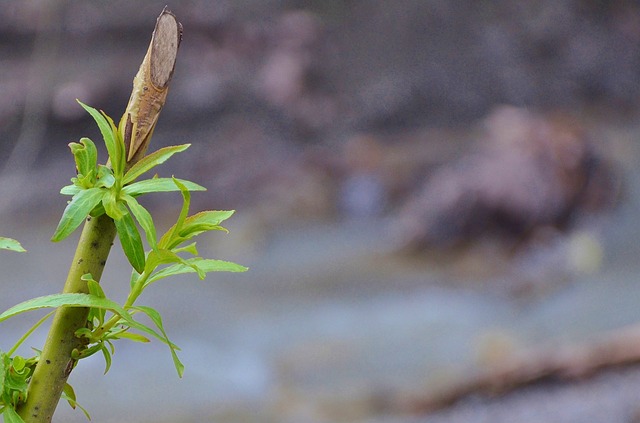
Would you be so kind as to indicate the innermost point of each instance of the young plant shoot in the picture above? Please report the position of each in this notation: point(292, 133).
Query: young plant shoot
point(105, 198)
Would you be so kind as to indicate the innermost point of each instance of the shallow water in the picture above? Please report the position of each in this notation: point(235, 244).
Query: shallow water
point(322, 319)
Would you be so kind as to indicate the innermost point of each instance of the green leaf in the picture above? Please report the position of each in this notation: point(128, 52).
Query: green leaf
point(144, 219)
point(10, 415)
point(4, 364)
point(184, 212)
point(97, 210)
point(107, 358)
point(205, 265)
point(119, 143)
point(59, 300)
point(76, 211)
point(114, 208)
point(190, 248)
point(152, 160)
point(85, 155)
point(163, 256)
point(105, 177)
point(95, 289)
point(109, 137)
point(11, 244)
point(135, 337)
point(131, 242)
point(69, 395)
point(157, 319)
point(159, 185)
point(79, 300)
point(159, 257)
point(18, 363)
point(171, 238)
point(70, 190)
point(203, 222)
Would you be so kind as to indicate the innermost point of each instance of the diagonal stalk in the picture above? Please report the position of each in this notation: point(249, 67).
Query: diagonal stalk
point(150, 87)
point(55, 364)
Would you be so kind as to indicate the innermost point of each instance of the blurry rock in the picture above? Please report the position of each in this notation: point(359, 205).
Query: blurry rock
point(531, 172)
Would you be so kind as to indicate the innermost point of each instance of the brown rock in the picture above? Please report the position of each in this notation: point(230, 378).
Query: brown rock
point(530, 171)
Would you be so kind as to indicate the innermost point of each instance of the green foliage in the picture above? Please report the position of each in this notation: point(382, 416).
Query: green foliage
point(15, 372)
point(101, 189)
point(11, 245)
point(14, 380)
point(113, 189)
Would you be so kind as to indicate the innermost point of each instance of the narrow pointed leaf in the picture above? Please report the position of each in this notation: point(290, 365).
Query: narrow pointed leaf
point(69, 300)
point(186, 203)
point(107, 134)
point(205, 265)
point(204, 221)
point(171, 238)
point(144, 219)
point(107, 358)
point(159, 257)
point(69, 395)
point(152, 160)
point(157, 319)
point(80, 300)
point(76, 211)
point(119, 143)
point(131, 242)
point(189, 248)
point(135, 337)
point(95, 289)
point(159, 185)
point(11, 244)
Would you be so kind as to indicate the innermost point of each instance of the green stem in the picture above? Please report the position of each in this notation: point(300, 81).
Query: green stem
point(133, 296)
point(28, 333)
point(55, 364)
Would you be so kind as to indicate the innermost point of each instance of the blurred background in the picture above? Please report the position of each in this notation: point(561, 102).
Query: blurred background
point(425, 189)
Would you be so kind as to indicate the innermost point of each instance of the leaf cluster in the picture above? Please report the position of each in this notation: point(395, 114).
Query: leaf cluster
point(113, 189)
point(15, 373)
point(14, 380)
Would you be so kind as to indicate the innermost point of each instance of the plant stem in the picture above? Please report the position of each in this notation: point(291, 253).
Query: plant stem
point(150, 87)
point(133, 295)
point(55, 364)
